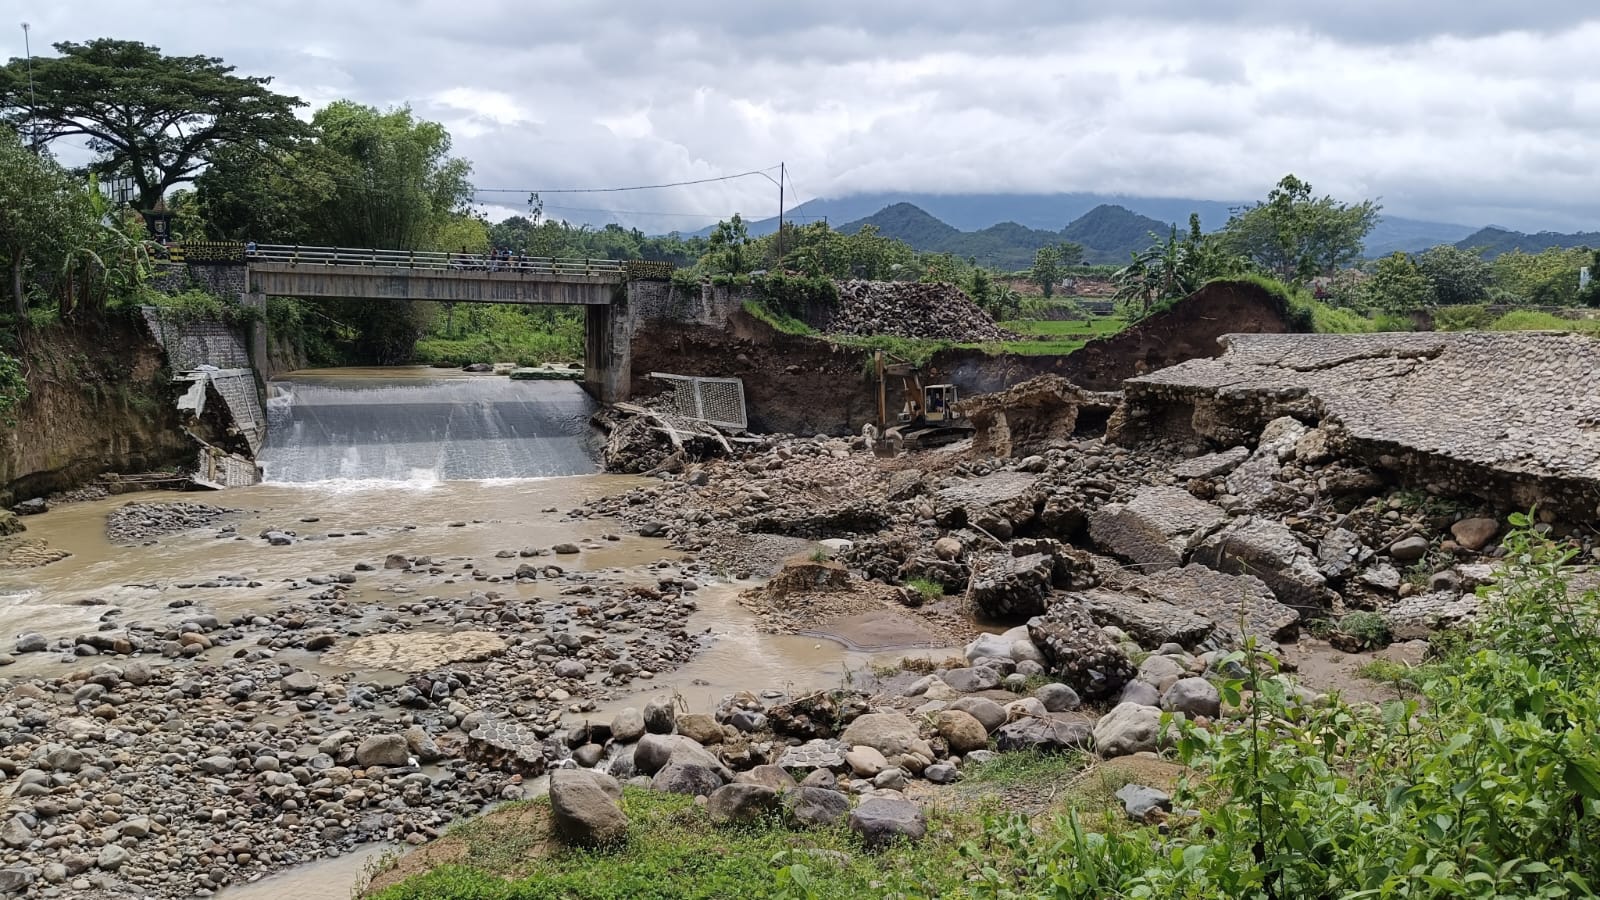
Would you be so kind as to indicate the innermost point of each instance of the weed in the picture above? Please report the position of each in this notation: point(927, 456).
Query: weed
point(930, 590)
point(1368, 628)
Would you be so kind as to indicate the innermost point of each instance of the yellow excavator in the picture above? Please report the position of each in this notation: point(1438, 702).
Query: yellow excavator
point(928, 415)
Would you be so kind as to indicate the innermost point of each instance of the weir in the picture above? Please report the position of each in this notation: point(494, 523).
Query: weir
point(424, 426)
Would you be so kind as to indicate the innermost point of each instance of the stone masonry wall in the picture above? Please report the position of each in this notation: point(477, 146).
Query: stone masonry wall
point(192, 343)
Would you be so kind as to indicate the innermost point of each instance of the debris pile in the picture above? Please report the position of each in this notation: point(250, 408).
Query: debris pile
point(911, 309)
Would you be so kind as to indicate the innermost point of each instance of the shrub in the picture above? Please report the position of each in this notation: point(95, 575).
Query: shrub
point(1462, 318)
point(1369, 629)
point(930, 590)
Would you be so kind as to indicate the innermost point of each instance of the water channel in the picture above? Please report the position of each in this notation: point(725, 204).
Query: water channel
point(364, 463)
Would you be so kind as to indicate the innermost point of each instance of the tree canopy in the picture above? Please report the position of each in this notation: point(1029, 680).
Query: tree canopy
point(154, 118)
point(1296, 236)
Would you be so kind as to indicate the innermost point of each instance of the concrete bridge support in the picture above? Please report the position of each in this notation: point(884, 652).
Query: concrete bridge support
point(607, 348)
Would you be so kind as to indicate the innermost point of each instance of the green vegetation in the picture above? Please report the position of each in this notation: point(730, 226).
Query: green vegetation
point(13, 388)
point(1482, 780)
point(194, 305)
point(1295, 236)
point(1530, 320)
point(1105, 234)
point(1369, 629)
point(154, 118)
point(930, 590)
point(527, 337)
point(1059, 336)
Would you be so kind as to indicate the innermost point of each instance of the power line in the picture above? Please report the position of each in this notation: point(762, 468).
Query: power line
point(612, 190)
point(642, 212)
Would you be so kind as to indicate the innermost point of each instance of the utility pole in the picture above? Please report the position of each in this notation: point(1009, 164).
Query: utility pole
point(782, 173)
point(33, 101)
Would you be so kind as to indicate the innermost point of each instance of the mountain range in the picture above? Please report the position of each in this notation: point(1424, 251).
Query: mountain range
point(1004, 230)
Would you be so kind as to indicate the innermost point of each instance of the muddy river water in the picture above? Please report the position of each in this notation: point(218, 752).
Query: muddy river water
point(402, 507)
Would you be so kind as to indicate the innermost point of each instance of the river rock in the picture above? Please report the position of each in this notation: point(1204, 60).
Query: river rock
point(741, 804)
point(989, 714)
point(566, 549)
point(1058, 697)
point(1129, 728)
point(301, 682)
point(961, 731)
point(1474, 534)
point(1192, 697)
point(815, 807)
point(1409, 549)
point(383, 750)
point(1044, 735)
point(700, 728)
point(627, 726)
point(569, 668)
point(113, 857)
point(865, 761)
point(659, 717)
point(583, 812)
point(688, 773)
point(771, 776)
point(1139, 801)
point(32, 642)
point(882, 821)
point(15, 833)
point(890, 733)
point(972, 680)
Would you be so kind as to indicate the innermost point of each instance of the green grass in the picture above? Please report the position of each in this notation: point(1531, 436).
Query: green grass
point(779, 321)
point(1390, 672)
point(930, 590)
point(1529, 320)
point(673, 851)
point(1098, 326)
point(495, 334)
point(1027, 768)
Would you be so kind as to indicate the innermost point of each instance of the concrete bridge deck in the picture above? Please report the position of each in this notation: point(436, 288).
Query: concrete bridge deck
point(285, 279)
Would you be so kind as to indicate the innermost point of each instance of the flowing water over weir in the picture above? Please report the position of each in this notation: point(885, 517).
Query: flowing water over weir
point(424, 425)
point(361, 464)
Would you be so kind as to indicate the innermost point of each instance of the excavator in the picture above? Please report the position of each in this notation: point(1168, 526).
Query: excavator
point(928, 415)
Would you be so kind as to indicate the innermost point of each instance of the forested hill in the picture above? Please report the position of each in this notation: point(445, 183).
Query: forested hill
point(1494, 241)
point(1108, 234)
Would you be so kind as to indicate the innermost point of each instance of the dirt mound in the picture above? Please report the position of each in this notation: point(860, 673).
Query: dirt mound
point(1187, 330)
point(910, 309)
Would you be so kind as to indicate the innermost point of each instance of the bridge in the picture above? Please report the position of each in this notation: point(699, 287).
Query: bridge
point(600, 286)
point(291, 271)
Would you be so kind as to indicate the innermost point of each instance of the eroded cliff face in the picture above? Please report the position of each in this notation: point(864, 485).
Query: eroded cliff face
point(100, 400)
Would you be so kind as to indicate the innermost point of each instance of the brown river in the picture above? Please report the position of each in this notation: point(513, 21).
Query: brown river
point(374, 458)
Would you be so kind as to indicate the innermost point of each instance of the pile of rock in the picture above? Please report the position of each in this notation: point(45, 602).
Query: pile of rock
point(910, 309)
point(144, 521)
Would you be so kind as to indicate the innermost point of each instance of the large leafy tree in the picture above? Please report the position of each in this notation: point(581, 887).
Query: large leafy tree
point(155, 118)
point(1046, 269)
point(1296, 236)
point(1397, 285)
point(1458, 276)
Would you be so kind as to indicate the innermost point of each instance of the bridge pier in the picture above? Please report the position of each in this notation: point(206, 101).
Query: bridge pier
point(258, 334)
point(607, 349)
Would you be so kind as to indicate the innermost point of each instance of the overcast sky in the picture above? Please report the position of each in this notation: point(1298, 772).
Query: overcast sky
point(1472, 111)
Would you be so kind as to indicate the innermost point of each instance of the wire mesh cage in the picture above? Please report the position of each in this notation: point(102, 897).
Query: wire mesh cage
point(718, 401)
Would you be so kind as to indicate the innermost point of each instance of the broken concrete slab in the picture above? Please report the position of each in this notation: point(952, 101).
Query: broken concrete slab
point(1512, 418)
point(1032, 416)
point(1212, 465)
point(1155, 529)
point(1149, 621)
point(1271, 552)
point(1254, 484)
point(1239, 604)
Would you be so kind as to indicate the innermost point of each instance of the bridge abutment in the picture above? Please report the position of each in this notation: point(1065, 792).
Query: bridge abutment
point(607, 348)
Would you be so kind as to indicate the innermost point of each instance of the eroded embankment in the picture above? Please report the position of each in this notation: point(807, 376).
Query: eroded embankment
point(100, 400)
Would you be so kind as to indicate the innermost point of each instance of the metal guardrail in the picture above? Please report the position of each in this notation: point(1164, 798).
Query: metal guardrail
point(431, 259)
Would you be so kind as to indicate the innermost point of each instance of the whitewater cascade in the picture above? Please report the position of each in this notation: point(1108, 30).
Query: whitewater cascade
point(424, 426)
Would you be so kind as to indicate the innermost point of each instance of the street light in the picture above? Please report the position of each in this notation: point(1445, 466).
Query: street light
point(33, 102)
point(779, 182)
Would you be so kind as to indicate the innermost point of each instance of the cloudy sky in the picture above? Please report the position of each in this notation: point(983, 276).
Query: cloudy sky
point(1468, 111)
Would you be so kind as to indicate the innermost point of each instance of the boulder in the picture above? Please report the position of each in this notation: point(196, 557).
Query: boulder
point(774, 777)
point(889, 733)
point(10, 524)
point(301, 682)
point(32, 642)
point(1140, 801)
point(659, 717)
point(1474, 534)
point(1058, 697)
point(865, 761)
point(1194, 697)
point(1409, 549)
point(700, 728)
point(1211, 465)
point(1151, 622)
point(32, 507)
point(961, 731)
point(583, 811)
point(627, 726)
point(653, 751)
point(1008, 587)
point(989, 714)
point(972, 680)
point(1045, 735)
point(383, 750)
point(1129, 728)
point(741, 804)
point(882, 821)
point(815, 807)
point(1155, 529)
point(1140, 693)
point(689, 773)
point(1255, 482)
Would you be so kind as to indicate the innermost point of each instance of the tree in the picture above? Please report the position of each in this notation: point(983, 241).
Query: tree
point(1546, 278)
point(1297, 237)
point(1046, 269)
point(1459, 277)
point(157, 119)
point(1397, 285)
point(729, 246)
point(43, 216)
point(1070, 253)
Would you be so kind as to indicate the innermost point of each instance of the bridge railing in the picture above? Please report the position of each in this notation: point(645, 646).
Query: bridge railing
point(430, 259)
